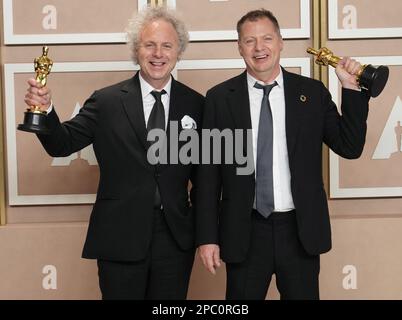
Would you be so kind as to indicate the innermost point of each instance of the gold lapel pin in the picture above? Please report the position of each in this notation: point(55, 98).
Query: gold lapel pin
point(303, 98)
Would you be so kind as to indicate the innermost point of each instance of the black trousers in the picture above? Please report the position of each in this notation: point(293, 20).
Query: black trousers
point(275, 249)
point(164, 274)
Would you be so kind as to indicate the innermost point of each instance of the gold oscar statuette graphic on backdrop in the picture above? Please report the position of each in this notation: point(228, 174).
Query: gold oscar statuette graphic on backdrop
point(35, 118)
point(369, 78)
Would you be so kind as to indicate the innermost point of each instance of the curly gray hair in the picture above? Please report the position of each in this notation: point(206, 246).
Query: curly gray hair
point(141, 19)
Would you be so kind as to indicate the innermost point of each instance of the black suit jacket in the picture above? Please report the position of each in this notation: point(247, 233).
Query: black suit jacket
point(120, 226)
point(225, 199)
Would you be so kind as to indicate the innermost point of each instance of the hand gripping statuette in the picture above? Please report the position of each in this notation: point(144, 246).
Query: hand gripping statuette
point(34, 117)
point(369, 78)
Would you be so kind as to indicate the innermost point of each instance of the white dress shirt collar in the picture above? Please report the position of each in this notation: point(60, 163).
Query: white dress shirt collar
point(251, 80)
point(146, 88)
point(148, 99)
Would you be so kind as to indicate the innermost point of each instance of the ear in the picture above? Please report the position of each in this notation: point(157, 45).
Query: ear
point(239, 48)
point(281, 43)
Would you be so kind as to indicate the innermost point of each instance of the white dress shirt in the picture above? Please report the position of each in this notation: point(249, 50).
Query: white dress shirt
point(281, 172)
point(148, 99)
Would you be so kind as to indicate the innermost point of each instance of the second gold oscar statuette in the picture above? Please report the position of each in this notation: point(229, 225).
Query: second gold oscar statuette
point(369, 78)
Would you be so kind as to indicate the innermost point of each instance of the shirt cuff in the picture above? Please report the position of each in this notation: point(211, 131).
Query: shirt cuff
point(50, 109)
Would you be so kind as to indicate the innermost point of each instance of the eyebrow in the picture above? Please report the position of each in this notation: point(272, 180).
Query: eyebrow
point(253, 37)
point(154, 42)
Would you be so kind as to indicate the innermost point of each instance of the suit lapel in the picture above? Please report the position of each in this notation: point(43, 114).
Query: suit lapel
point(175, 105)
point(294, 106)
point(239, 103)
point(132, 102)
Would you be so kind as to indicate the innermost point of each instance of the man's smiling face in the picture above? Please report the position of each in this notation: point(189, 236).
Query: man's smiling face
point(260, 45)
point(157, 52)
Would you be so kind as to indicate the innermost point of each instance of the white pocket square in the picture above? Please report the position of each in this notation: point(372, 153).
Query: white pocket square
point(188, 123)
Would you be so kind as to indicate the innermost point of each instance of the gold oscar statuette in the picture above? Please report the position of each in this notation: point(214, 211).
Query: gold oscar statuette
point(34, 117)
point(369, 78)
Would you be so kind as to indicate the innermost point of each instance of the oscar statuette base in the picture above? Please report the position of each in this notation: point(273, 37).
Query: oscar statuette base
point(34, 122)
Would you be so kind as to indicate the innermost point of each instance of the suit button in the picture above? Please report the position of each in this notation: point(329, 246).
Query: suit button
point(157, 175)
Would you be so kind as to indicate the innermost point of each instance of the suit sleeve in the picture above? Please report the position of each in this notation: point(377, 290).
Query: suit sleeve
point(346, 134)
point(73, 135)
point(208, 184)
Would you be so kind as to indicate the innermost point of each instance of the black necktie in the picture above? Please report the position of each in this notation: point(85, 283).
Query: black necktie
point(157, 120)
point(157, 116)
point(264, 184)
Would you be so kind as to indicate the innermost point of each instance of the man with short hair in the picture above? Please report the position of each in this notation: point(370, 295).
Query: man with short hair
point(275, 220)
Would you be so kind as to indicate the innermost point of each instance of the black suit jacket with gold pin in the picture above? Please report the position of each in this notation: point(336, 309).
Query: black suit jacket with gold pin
point(225, 199)
point(120, 226)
